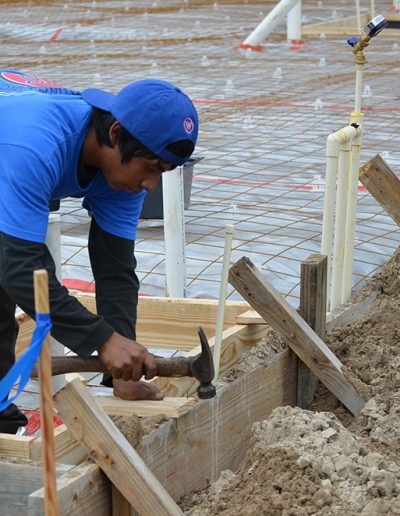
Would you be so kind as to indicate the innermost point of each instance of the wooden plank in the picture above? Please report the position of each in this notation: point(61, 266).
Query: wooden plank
point(263, 297)
point(84, 490)
point(383, 184)
point(171, 323)
point(17, 481)
point(168, 407)
point(313, 287)
point(250, 317)
point(68, 451)
point(353, 314)
point(235, 341)
point(16, 446)
point(188, 452)
point(347, 25)
point(112, 452)
point(120, 505)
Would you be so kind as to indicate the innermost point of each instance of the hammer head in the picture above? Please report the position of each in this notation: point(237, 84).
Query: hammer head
point(202, 368)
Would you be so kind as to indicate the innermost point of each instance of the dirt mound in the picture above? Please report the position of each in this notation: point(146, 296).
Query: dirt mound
point(319, 462)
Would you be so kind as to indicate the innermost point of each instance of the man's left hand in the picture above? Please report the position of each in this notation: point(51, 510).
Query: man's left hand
point(136, 390)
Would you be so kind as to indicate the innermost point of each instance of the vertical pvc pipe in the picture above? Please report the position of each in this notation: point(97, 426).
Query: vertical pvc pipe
point(372, 13)
point(332, 156)
point(229, 229)
point(269, 23)
point(53, 243)
point(358, 90)
point(174, 232)
point(351, 219)
point(293, 23)
point(340, 224)
point(358, 13)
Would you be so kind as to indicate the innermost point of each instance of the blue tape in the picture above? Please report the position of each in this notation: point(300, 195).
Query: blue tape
point(22, 369)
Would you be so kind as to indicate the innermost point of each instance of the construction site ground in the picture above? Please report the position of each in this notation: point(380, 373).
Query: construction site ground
point(264, 118)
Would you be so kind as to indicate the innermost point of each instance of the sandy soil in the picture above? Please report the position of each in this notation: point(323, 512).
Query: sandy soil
point(323, 461)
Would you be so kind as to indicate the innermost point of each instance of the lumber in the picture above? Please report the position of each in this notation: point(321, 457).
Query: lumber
point(84, 490)
point(42, 306)
point(67, 450)
point(120, 505)
point(313, 288)
point(249, 317)
point(171, 323)
point(17, 481)
point(353, 314)
point(168, 407)
point(18, 446)
point(186, 453)
point(235, 341)
point(263, 297)
point(112, 452)
point(383, 184)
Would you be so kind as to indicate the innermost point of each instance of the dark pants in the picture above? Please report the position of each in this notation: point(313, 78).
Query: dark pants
point(8, 332)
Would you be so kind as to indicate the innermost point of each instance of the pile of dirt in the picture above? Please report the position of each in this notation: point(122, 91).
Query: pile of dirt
point(319, 462)
point(303, 462)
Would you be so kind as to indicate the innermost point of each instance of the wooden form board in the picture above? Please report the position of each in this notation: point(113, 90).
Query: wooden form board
point(18, 481)
point(187, 452)
point(383, 184)
point(235, 341)
point(162, 322)
point(264, 298)
point(112, 452)
point(313, 289)
point(172, 323)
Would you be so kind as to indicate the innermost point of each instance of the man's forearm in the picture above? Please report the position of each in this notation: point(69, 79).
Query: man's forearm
point(73, 325)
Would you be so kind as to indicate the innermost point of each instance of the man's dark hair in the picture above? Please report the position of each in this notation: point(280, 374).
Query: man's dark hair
point(129, 146)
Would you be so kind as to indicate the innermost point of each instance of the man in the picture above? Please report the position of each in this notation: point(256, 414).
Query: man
point(109, 150)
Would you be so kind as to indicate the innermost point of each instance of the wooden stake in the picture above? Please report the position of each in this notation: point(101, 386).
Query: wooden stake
point(41, 286)
point(313, 311)
point(277, 312)
point(383, 184)
point(112, 452)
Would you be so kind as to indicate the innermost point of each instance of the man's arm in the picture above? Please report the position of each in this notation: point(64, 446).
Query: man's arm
point(113, 264)
point(73, 325)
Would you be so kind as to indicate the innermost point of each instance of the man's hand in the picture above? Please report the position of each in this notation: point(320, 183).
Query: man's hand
point(127, 359)
point(136, 390)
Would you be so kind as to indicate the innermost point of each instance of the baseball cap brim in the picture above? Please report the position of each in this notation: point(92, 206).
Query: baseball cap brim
point(98, 98)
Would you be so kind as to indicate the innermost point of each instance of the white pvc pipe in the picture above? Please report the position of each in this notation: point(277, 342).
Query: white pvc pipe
point(351, 212)
point(53, 243)
point(335, 142)
point(174, 232)
point(293, 23)
point(340, 224)
point(229, 229)
point(358, 90)
point(269, 23)
point(358, 14)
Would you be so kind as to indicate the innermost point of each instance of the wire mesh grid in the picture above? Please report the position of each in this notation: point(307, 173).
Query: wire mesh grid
point(264, 122)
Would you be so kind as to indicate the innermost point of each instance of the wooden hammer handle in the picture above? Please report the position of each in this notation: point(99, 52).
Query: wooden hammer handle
point(169, 367)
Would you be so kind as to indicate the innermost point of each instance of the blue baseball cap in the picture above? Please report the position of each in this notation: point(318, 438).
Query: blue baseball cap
point(155, 112)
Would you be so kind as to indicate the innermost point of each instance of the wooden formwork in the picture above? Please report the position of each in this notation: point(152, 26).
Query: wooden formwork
point(200, 439)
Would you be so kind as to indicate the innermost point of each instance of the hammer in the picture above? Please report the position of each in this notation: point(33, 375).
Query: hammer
point(200, 367)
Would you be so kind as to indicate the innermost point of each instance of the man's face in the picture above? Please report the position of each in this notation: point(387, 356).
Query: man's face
point(139, 173)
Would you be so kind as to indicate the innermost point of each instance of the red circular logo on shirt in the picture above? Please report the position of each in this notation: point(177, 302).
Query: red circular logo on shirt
point(29, 80)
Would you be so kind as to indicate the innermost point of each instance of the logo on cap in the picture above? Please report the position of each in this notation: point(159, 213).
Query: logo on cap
point(188, 125)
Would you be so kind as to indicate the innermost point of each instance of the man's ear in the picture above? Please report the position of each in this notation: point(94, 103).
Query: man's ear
point(113, 133)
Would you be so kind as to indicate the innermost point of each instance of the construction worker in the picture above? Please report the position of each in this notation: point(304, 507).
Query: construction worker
point(109, 150)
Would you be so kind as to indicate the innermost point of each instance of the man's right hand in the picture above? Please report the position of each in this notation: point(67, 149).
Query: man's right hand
point(127, 359)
